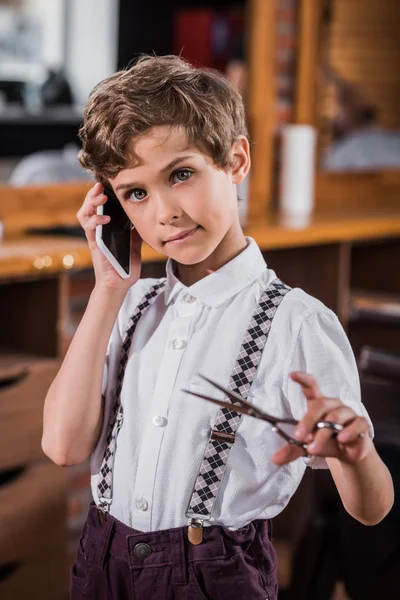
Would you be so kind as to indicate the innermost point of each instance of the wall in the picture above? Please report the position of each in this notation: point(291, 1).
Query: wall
point(286, 40)
point(51, 15)
point(91, 45)
point(364, 48)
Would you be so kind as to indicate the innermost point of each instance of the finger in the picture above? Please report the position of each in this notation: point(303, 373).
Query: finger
point(316, 411)
point(287, 454)
point(96, 190)
point(91, 224)
point(93, 199)
point(308, 384)
point(89, 210)
point(321, 444)
point(341, 415)
point(351, 433)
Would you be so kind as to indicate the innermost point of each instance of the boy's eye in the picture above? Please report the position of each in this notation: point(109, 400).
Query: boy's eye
point(138, 194)
point(181, 175)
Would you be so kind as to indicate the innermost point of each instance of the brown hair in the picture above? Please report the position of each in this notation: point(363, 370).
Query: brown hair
point(156, 91)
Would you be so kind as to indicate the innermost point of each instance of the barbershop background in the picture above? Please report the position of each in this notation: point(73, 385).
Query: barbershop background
point(321, 85)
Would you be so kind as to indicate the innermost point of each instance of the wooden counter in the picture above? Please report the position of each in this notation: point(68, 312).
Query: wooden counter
point(29, 255)
point(50, 278)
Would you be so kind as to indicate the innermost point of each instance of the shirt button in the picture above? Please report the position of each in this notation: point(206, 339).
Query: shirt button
point(178, 344)
point(189, 299)
point(142, 504)
point(159, 421)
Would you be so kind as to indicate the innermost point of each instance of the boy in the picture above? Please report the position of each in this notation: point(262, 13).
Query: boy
point(172, 143)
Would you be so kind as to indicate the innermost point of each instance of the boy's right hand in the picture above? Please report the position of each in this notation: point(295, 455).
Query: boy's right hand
point(106, 276)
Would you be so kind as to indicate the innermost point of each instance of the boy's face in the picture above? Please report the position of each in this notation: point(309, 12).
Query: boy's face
point(181, 204)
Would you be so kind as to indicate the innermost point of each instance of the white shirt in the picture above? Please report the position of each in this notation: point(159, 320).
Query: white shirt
point(200, 329)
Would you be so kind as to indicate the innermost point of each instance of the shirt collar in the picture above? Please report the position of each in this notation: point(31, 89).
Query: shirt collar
point(223, 284)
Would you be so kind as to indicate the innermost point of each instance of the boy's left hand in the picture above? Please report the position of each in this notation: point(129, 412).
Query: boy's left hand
point(350, 445)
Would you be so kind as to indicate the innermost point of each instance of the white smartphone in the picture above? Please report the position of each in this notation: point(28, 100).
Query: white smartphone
point(114, 238)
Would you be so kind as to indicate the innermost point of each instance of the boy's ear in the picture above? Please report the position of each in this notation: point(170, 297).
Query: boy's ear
point(240, 159)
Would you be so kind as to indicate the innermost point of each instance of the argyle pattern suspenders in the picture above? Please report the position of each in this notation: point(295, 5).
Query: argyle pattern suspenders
point(104, 486)
point(223, 436)
point(227, 422)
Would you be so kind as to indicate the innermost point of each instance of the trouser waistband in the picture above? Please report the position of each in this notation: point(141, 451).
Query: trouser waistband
point(171, 547)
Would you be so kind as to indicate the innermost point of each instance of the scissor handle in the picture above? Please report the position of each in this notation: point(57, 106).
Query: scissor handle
point(288, 438)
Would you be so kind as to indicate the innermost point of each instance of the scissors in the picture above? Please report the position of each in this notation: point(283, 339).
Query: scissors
point(283, 427)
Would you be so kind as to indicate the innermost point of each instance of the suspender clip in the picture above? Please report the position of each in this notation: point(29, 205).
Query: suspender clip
point(221, 436)
point(195, 531)
point(104, 505)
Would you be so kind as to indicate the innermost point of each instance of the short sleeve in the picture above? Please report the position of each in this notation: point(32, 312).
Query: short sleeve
point(323, 350)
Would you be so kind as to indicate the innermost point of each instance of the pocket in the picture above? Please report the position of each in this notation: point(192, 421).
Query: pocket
point(271, 587)
point(232, 577)
point(77, 582)
point(196, 585)
point(269, 583)
point(81, 569)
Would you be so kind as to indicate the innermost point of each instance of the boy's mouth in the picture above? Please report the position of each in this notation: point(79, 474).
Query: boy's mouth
point(179, 237)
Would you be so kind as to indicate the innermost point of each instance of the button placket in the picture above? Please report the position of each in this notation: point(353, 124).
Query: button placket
point(142, 504)
point(178, 344)
point(189, 299)
point(153, 434)
point(159, 421)
point(186, 306)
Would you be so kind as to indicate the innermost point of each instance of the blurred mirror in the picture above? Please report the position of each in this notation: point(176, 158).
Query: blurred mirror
point(359, 86)
point(52, 52)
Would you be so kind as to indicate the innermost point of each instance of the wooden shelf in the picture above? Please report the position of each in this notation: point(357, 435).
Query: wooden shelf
point(24, 256)
point(327, 228)
point(374, 306)
point(13, 364)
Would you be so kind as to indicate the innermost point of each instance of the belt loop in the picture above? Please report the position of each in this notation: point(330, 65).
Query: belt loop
point(106, 528)
point(179, 568)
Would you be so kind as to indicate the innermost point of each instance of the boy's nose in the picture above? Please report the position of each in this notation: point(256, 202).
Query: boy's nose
point(168, 211)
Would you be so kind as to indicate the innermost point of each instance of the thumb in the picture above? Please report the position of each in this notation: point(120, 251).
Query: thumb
point(287, 454)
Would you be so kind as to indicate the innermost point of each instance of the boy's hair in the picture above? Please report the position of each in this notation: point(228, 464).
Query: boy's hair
point(156, 91)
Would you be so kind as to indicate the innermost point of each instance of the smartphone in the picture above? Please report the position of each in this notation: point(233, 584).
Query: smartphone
point(114, 238)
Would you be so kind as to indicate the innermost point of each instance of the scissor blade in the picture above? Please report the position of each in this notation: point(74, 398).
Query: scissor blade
point(229, 393)
point(235, 397)
point(233, 407)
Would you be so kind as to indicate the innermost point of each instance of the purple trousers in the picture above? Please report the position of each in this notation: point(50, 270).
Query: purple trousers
point(120, 563)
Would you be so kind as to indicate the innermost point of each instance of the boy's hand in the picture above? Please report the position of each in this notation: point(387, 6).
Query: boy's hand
point(106, 276)
point(350, 445)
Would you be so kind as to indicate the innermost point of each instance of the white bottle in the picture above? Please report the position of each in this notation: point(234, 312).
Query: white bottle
point(297, 172)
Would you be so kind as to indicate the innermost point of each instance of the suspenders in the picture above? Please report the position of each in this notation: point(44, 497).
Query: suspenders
point(223, 435)
point(104, 486)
